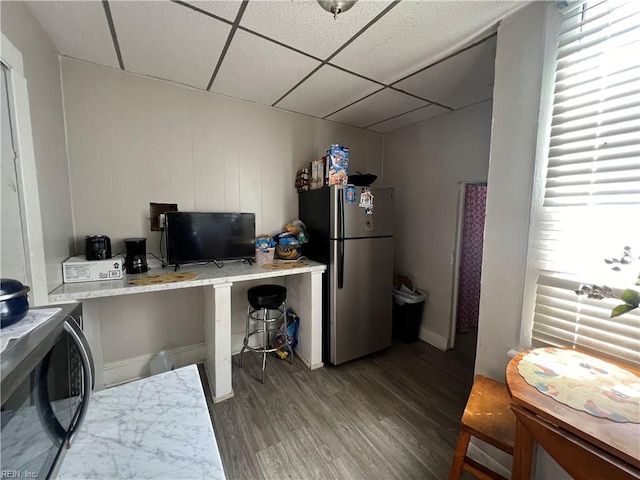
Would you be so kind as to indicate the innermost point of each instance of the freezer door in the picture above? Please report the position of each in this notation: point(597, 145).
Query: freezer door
point(350, 220)
point(360, 311)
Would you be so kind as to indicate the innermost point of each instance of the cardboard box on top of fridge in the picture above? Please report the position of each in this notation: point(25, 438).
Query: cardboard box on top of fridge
point(338, 161)
point(79, 269)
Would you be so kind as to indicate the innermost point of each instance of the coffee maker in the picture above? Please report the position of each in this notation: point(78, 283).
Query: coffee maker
point(136, 255)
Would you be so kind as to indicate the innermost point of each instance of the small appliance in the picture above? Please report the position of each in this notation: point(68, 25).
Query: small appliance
point(47, 379)
point(136, 255)
point(97, 247)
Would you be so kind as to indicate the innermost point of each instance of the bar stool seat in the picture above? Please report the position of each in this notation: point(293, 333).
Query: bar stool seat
point(489, 418)
point(267, 312)
point(266, 296)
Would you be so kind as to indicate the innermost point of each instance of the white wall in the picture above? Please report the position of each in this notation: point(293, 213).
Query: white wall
point(134, 140)
point(516, 103)
point(425, 162)
point(513, 144)
point(42, 71)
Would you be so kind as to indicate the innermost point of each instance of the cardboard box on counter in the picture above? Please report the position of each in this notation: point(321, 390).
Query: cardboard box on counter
point(78, 269)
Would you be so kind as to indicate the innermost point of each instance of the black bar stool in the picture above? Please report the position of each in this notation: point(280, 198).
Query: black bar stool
point(266, 310)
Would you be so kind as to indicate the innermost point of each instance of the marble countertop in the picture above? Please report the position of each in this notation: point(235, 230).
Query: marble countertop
point(157, 427)
point(207, 275)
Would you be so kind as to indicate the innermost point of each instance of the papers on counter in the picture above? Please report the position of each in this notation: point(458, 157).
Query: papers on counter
point(32, 320)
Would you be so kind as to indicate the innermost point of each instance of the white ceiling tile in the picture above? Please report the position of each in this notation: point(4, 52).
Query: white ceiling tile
point(222, 8)
point(77, 29)
point(376, 108)
point(304, 25)
point(326, 91)
point(415, 34)
point(258, 70)
point(169, 41)
point(459, 81)
point(410, 118)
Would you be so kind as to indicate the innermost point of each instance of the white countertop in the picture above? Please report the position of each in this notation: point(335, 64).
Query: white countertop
point(155, 428)
point(207, 275)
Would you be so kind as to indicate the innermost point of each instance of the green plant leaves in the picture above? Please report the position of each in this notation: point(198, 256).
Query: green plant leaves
point(631, 297)
point(621, 310)
point(632, 301)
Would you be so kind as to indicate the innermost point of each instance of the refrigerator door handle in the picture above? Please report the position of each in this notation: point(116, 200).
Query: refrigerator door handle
point(340, 238)
point(340, 263)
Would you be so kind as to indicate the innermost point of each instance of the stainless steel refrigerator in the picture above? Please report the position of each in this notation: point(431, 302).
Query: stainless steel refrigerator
point(352, 233)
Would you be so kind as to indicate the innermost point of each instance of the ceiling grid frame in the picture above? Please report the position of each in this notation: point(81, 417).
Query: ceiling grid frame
point(303, 84)
point(112, 30)
point(234, 27)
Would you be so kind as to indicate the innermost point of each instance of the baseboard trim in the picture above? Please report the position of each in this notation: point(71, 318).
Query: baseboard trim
point(123, 371)
point(129, 369)
point(433, 338)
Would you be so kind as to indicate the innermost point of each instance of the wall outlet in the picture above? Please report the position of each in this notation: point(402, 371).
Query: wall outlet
point(157, 217)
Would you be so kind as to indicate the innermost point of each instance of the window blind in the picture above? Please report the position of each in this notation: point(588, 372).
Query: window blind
point(590, 209)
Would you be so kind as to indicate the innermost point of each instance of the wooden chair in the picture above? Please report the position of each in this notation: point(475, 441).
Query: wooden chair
point(487, 417)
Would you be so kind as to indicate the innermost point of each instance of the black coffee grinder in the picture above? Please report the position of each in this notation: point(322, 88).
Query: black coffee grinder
point(136, 255)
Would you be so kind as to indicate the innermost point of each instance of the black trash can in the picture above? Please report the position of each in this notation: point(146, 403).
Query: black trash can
point(407, 314)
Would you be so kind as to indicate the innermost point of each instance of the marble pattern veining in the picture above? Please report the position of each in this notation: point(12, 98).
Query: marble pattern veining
point(158, 427)
point(207, 275)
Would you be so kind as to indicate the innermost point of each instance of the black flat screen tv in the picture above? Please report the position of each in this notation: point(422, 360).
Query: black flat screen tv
point(194, 237)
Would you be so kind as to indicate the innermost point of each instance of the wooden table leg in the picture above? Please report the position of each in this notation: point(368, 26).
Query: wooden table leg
point(522, 452)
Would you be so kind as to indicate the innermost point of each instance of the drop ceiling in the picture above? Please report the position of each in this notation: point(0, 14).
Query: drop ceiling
point(381, 65)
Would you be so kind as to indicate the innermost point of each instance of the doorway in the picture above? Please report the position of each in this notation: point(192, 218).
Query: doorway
point(468, 267)
point(21, 241)
point(12, 255)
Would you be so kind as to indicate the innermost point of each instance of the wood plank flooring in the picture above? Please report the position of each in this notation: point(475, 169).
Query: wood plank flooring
point(391, 415)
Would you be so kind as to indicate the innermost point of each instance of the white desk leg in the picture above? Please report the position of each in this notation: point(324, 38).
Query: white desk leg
point(217, 339)
point(304, 295)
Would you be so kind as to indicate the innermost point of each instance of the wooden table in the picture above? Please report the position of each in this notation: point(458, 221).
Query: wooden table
point(585, 446)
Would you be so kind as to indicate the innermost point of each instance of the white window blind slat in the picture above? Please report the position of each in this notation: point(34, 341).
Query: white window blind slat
point(579, 79)
point(611, 154)
point(579, 334)
point(591, 31)
point(597, 167)
point(601, 38)
point(598, 143)
point(599, 48)
point(546, 336)
point(623, 122)
point(571, 160)
point(609, 99)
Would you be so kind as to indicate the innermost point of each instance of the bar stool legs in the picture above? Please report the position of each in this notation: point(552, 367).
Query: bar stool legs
point(265, 343)
point(267, 309)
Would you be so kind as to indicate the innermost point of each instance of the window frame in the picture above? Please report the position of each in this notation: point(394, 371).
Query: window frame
point(554, 22)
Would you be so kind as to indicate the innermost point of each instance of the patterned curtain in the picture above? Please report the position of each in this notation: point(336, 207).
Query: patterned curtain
point(471, 257)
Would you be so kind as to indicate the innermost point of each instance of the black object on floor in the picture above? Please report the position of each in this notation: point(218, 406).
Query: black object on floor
point(407, 315)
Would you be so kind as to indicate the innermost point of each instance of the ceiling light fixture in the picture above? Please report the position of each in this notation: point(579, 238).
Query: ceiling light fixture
point(336, 6)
